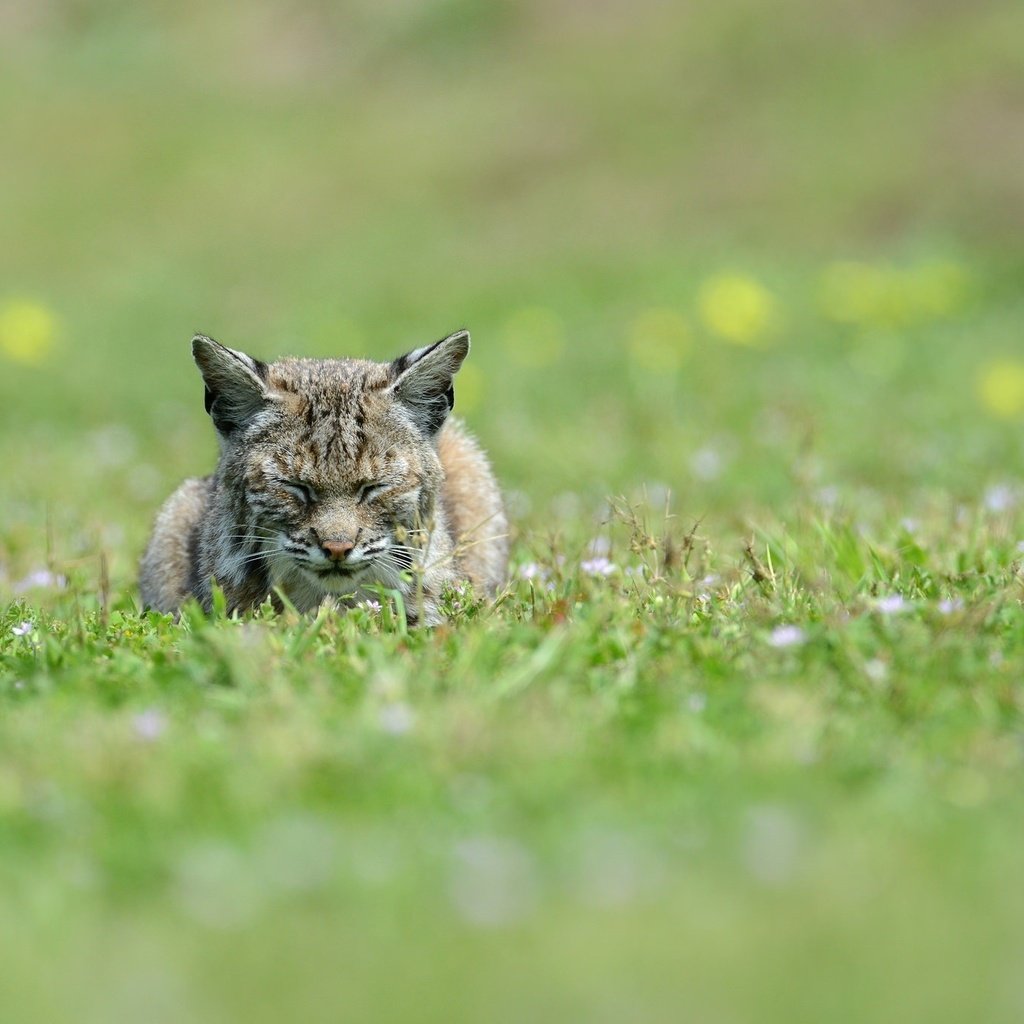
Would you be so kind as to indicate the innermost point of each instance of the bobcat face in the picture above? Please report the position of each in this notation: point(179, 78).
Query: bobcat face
point(338, 535)
point(330, 466)
point(338, 523)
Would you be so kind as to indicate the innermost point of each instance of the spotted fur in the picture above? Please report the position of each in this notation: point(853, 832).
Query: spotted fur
point(335, 478)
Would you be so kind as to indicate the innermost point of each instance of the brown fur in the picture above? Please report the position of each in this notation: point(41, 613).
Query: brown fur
point(319, 456)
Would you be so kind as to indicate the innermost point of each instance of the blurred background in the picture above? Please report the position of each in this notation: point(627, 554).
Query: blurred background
point(725, 249)
point(765, 258)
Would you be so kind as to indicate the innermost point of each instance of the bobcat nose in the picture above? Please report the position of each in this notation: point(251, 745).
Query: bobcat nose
point(337, 550)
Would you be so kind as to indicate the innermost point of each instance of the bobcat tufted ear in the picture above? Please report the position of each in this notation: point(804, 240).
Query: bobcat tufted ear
point(235, 383)
point(423, 380)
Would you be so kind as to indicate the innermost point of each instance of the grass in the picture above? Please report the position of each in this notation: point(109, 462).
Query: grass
point(742, 738)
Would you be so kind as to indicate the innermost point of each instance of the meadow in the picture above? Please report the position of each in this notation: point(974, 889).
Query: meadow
point(742, 739)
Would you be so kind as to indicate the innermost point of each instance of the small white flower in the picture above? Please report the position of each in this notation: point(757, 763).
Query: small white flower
point(38, 579)
point(787, 636)
point(599, 566)
point(1000, 498)
point(370, 606)
point(532, 571)
point(892, 604)
point(396, 719)
point(696, 702)
point(706, 464)
point(149, 725)
point(876, 670)
point(23, 629)
point(950, 605)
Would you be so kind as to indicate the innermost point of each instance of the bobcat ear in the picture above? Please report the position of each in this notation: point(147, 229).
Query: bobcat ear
point(423, 380)
point(235, 383)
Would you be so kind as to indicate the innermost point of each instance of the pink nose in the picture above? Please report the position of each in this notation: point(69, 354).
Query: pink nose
point(337, 550)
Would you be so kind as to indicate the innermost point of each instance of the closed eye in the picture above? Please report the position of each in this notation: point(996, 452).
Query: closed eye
point(300, 490)
point(370, 489)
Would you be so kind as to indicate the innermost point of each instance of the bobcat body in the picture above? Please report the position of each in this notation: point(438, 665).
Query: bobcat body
point(336, 478)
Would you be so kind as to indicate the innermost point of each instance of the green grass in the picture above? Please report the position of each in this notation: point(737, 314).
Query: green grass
point(617, 795)
point(742, 740)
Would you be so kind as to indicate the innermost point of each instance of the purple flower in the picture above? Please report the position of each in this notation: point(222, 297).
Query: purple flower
point(532, 571)
point(1000, 498)
point(149, 725)
point(787, 636)
point(599, 566)
point(40, 578)
point(22, 629)
point(892, 604)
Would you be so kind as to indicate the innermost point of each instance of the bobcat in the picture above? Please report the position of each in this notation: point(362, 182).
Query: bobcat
point(336, 477)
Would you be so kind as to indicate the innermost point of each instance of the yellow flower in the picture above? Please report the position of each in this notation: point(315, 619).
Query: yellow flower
point(887, 297)
point(659, 340)
point(738, 309)
point(534, 337)
point(1001, 388)
point(27, 332)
